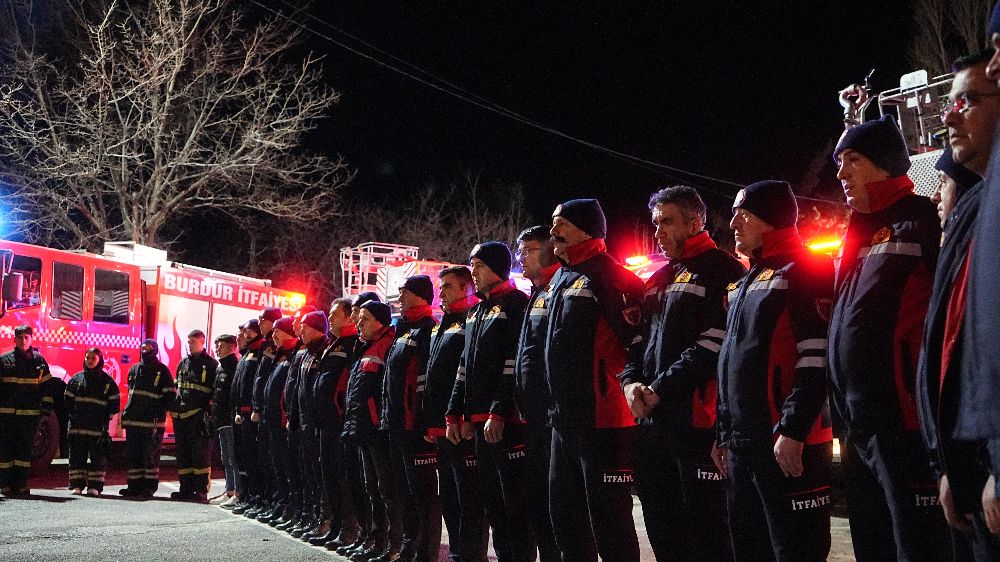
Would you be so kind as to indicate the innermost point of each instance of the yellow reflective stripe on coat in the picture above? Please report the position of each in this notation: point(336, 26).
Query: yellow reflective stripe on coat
point(88, 400)
point(194, 386)
point(19, 412)
point(147, 394)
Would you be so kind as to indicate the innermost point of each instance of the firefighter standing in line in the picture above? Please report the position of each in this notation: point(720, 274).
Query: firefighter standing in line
point(328, 415)
point(361, 419)
point(671, 384)
point(92, 399)
point(245, 431)
point(538, 265)
point(961, 475)
point(357, 463)
point(226, 349)
point(594, 315)
point(151, 392)
point(300, 443)
point(264, 498)
point(460, 497)
point(413, 460)
point(274, 418)
point(482, 404)
point(192, 420)
point(883, 286)
point(24, 377)
point(772, 415)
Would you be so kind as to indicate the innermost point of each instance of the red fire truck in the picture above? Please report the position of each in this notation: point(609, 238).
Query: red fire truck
point(76, 300)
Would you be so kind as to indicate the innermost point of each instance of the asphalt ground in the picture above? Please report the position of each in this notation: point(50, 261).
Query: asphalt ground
point(52, 525)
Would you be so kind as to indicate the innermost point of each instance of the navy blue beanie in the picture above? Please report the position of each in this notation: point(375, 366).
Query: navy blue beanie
point(994, 23)
point(420, 285)
point(880, 141)
point(496, 255)
point(380, 311)
point(365, 297)
point(964, 177)
point(152, 343)
point(585, 214)
point(772, 201)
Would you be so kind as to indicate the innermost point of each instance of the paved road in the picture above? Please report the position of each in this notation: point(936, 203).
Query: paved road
point(52, 525)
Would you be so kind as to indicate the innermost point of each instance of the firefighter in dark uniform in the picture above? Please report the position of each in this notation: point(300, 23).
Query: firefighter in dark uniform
point(328, 414)
point(226, 349)
point(361, 420)
point(482, 403)
point(151, 392)
point(92, 399)
point(192, 420)
point(460, 497)
point(245, 431)
point(264, 500)
point(538, 265)
point(593, 316)
point(274, 418)
point(24, 380)
point(413, 460)
point(957, 463)
point(883, 286)
point(772, 414)
point(671, 384)
point(356, 467)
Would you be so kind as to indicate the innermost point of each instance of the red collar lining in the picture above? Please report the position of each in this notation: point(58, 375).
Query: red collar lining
point(585, 250)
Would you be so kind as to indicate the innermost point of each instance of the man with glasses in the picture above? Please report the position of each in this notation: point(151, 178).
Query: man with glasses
point(971, 116)
point(883, 285)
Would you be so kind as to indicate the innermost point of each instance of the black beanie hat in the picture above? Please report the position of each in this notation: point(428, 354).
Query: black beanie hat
point(365, 297)
point(271, 313)
point(994, 26)
point(880, 141)
point(317, 321)
point(286, 325)
point(380, 311)
point(772, 201)
point(585, 214)
point(964, 177)
point(252, 324)
point(420, 285)
point(152, 343)
point(496, 255)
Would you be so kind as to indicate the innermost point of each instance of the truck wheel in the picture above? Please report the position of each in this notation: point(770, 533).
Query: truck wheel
point(46, 445)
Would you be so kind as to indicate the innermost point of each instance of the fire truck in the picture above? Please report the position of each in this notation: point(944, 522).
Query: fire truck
point(75, 300)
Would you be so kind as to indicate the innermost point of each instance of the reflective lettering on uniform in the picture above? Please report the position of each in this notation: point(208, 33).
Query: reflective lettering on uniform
point(925, 500)
point(707, 475)
point(811, 503)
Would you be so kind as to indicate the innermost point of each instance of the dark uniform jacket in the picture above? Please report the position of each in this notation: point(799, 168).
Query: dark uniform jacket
point(364, 388)
point(405, 365)
point(91, 398)
point(241, 393)
point(277, 400)
point(151, 392)
point(683, 326)
point(222, 405)
point(484, 384)
point(532, 390)
point(195, 383)
point(334, 367)
point(883, 286)
point(594, 315)
point(267, 353)
point(306, 384)
point(941, 358)
point(772, 366)
point(24, 384)
point(447, 343)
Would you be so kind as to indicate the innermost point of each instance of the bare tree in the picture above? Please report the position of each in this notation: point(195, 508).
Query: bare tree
point(170, 107)
point(946, 30)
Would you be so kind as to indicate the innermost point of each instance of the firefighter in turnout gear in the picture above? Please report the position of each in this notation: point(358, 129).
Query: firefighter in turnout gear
point(671, 384)
point(151, 392)
point(24, 378)
point(192, 420)
point(92, 399)
point(772, 414)
point(593, 316)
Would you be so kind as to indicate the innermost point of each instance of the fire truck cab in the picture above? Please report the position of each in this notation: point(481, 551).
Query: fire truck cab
point(76, 300)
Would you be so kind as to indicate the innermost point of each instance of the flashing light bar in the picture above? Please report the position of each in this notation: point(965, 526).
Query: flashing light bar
point(825, 245)
point(636, 261)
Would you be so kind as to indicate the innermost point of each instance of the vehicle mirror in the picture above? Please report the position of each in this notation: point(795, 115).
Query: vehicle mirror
point(13, 284)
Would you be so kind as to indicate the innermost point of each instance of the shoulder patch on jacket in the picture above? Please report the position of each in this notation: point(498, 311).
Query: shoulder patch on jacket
point(683, 277)
point(883, 235)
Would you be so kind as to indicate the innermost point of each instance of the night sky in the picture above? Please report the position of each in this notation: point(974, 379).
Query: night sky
point(737, 91)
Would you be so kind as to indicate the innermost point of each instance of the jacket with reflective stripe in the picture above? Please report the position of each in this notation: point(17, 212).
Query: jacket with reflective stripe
point(327, 405)
point(684, 323)
point(241, 392)
point(405, 364)
point(883, 287)
point(364, 388)
point(283, 366)
point(151, 392)
point(484, 385)
point(447, 342)
point(91, 398)
point(24, 384)
point(594, 315)
point(532, 389)
point(195, 381)
point(772, 365)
